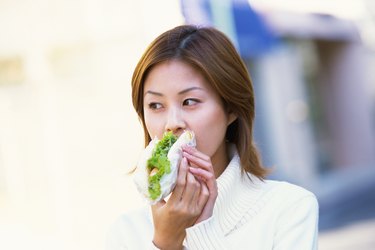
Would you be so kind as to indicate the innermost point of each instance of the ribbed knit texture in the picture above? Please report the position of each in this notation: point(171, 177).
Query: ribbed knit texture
point(239, 199)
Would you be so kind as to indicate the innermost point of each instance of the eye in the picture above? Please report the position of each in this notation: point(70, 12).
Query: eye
point(155, 105)
point(190, 102)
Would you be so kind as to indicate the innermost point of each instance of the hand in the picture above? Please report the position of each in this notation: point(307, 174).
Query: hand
point(181, 211)
point(204, 172)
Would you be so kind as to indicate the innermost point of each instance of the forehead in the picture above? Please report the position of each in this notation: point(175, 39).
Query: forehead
point(174, 75)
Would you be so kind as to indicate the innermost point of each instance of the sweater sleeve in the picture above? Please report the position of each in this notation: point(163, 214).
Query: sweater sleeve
point(298, 226)
point(204, 235)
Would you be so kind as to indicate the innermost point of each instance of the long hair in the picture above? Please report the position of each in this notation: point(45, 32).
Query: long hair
point(210, 52)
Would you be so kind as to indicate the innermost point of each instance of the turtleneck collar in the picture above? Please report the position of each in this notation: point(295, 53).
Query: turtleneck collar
point(239, 195)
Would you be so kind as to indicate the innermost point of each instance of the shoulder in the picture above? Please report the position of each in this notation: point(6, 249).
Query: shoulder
point(290, 197)
point(296, 216)
point(286, 188)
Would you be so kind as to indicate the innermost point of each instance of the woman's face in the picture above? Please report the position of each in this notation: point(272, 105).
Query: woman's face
point(177, 98)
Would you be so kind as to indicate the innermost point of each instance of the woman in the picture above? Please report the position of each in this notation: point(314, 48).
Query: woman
point(192, 78)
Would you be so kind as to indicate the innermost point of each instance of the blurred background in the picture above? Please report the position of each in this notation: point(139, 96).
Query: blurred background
point(69, 135)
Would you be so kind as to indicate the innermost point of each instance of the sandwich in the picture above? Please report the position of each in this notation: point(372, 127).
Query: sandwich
point(156, 172)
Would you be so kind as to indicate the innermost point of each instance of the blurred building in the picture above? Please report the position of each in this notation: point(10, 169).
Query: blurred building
point(312, 78)
point(68, 132)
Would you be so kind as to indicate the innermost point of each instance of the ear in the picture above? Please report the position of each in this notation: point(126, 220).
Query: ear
point(231, 118)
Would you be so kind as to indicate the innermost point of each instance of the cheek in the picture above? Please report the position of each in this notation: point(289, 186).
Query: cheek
point(210, 131)
point(153, 125)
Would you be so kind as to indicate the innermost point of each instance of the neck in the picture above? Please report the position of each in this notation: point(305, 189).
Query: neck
point(220, 159)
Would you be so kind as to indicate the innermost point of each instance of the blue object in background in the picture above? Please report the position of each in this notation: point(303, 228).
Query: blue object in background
point(237, 19)
point(253, 36)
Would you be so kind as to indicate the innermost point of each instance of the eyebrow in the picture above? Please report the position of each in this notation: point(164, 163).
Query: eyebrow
point(153, 93)
point(180, 93)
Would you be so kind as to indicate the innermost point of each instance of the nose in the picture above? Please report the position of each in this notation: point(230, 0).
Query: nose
point(175, 122)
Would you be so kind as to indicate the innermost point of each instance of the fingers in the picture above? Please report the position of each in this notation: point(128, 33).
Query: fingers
point(194, 151)
point(208, 178)
point(198, 158)
point(203, 196)
point(204, 170)
point(192, 189)
point(195, 185)
point(201, 174)
point(187, 187)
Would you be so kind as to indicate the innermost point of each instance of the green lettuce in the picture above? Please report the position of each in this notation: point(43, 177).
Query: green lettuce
point(159, 160)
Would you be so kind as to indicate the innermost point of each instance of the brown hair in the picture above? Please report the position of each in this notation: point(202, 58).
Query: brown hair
point(212, 53)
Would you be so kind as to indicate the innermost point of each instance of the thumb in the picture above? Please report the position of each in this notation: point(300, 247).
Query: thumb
point(158, 205)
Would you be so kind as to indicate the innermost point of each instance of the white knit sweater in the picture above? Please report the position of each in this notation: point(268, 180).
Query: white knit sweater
point(248, 214)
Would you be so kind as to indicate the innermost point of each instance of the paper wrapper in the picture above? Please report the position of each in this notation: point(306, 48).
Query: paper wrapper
point(168, 181)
